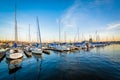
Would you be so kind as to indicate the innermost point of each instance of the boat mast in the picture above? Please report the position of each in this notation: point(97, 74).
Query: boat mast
point(65, 36)
point(39, 33)
point(59, 32)
point(29, 34)
point(96, 37)
point(16, 33)
point(78, 35)
point(82, 37)
point(113, 38)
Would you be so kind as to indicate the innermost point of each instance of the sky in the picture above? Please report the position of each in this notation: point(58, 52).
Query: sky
point(83, 18)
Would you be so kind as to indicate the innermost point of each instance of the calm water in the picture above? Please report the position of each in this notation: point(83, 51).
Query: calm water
point(97, 64)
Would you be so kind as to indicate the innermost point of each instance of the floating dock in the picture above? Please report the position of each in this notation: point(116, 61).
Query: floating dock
point(46, 51)
point(28, 54)
point(2, 55)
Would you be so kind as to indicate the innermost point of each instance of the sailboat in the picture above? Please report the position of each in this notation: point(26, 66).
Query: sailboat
point(38, 48)
point(2, 50)
point(61, 47)
point(15, 52)
point(4, 47)
point(76, 45)
point(29, 48)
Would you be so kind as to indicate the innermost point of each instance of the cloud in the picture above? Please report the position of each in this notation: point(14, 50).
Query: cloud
point(80, 14)
point(68, 19)
point(113, 26)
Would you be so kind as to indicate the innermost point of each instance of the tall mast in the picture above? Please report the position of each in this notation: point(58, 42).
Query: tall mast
point(29, 34)
point(39, 33)
point(113, 38)
point(37, 36)
point(65, 36)
point(59, 32)
point(16, 33)
point(82, 37)
point(96, 37)
point(78, 34)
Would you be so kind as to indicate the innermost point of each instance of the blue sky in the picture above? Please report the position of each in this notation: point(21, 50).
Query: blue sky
point(89, 15)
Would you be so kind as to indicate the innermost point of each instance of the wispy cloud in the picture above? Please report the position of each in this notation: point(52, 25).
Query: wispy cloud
point(79, 14)
point(113, 26)
point(68, 19)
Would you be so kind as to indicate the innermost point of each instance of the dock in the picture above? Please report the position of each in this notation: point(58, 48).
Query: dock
point(28, 54)
point(77, 48)
point(60, 50)
point(2, 55)
point(46, 51)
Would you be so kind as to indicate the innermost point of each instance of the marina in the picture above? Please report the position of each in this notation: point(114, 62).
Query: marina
point(59, 40)
point(65, 65)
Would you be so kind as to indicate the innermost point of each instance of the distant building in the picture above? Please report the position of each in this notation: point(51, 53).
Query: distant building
point(90, 40)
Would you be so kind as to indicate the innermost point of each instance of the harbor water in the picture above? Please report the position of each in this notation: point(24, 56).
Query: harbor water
point(102, 63)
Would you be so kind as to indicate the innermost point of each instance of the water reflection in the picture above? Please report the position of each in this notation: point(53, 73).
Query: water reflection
point(14, 65)
point(102, 63)
point(39, 64)
point(98, 51)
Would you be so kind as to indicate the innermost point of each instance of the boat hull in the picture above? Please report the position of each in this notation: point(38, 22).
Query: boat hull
point(37, 52)
point(14, 55)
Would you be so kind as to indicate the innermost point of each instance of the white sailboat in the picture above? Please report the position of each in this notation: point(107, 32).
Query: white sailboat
point(4, 47)
point(15, 53)
point(2, 50)
point(38, 48)
point(77, 46)
point(29, 48)
point(61, 47)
